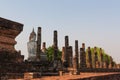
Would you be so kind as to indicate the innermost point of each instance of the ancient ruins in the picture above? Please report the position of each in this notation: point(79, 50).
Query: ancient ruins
point(73, 62)
point(9, 30)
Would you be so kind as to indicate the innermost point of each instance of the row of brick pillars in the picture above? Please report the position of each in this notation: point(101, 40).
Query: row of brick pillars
point(66, 56)
point(98, 63)
point(79, 61)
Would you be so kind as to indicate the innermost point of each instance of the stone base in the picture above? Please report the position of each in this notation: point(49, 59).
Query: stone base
point(31, 75)
point(61, 73)
point(11, 57)
point(76, 72)
point(28, 76)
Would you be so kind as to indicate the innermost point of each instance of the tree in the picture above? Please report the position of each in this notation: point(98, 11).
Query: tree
point(50, 53)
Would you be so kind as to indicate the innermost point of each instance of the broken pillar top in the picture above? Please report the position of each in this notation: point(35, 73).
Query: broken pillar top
point(8, 24)
point(55, 31)
point(66, 41)
point(83, 46)
point(55, 41)
point(81, 49)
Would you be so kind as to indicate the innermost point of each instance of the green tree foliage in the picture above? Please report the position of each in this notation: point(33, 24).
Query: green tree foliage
point(50, 53)
point(106, 57)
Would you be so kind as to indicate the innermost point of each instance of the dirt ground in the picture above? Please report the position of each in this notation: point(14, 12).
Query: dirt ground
point(69, 77)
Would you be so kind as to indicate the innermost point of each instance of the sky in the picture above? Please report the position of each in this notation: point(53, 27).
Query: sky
point(93, 22)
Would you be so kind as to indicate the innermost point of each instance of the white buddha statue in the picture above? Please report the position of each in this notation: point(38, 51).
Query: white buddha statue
point(32, 46)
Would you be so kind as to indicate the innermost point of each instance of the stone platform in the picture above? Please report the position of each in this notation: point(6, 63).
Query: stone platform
point(82, 76)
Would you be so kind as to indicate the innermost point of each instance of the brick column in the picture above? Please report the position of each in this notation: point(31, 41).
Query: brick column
point(38, 43)
point(89, 58)
point(70, 56)
point(101, 56)
point(66, 47)
point(63, 54)
point(96, 57)
point(76, 54)
point(55, 45)
point(82, 58)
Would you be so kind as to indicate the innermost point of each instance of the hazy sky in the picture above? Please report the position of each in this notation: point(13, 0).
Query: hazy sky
point(94, 22)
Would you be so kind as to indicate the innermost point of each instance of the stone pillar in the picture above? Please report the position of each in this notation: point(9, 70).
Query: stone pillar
point(55, 45)
point(107, 62)
point(63, 54)
point(104, 64)
point(89, 58)
point(66, 46)
point(96, 57)
point(101, 56)
point(38, 44)
point(57, 65)
point(82, 59)
point(67, 53)
point(76, 54)
point(44, 47)
point(70, 56)
point(75, 65)
point(76, 59)
point(114, 65)
point(110, 64)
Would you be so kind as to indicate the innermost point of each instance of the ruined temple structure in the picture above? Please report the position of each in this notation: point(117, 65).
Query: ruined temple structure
point(63, 54)
point(13, 63)
point(9, 30)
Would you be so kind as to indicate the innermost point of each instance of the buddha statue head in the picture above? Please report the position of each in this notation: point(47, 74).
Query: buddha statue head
point(32, 36)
